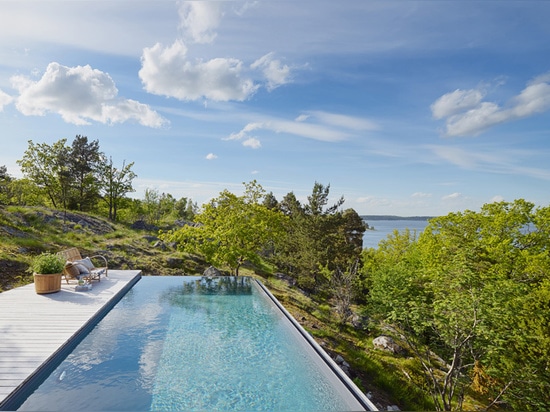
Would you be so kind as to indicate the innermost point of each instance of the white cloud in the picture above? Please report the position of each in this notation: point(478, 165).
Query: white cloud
point(274, 71)
point(452, 196)
point(467, 115)
point(341, 120)
point(455, 102)
point(167, 71)
point(250, 127)
point(323, 126)
point(211, 156)
point(5, 99)
point(80, 94)
point(496, 199)
point(252, 142)
point(199, 20)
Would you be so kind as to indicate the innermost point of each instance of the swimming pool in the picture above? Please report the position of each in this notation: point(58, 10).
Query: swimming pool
point(196, 343)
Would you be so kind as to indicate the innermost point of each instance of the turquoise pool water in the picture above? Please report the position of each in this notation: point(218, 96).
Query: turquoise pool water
point(193, 344)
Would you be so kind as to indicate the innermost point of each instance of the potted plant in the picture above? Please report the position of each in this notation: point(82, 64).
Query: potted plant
point(48, 270)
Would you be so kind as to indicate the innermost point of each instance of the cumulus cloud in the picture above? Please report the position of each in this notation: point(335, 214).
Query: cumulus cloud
point(466, 114)
point(252, 142)
point(167, 71)
point(455, 102)
point(80, 94)
point(5, 99)
point(199, 20)
point(316, 125)
point(273, 70)
point(211, 156)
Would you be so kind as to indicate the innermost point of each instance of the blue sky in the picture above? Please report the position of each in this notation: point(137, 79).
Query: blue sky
point(403, 107)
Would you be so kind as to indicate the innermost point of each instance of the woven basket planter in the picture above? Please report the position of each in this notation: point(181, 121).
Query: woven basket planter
point(50, 283)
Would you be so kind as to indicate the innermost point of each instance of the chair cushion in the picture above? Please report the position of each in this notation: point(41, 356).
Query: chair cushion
point(86, 262)
point(83, 270)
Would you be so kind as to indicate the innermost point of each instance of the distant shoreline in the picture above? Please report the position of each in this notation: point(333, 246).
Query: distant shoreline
point(392, 217)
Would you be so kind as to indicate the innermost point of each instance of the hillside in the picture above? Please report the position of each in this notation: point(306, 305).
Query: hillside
point(28, 231)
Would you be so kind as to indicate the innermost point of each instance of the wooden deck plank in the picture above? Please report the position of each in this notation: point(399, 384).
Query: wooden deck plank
point(33, 327)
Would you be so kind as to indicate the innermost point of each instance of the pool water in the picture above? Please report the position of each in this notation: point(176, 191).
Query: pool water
point(193, 344)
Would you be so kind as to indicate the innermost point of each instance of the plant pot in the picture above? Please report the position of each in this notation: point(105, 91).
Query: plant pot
point(50, 283)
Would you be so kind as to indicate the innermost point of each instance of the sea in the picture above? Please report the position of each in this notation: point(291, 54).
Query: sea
point(381, 227)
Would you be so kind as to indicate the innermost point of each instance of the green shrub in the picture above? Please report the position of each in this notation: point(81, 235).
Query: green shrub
point(47, 263)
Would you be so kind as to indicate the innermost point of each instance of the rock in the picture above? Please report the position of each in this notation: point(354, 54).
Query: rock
point(150, 238)
point(143, 225)
point(359, 322)
point(388, 344)
point(212, 271)
point(393, 408)
point(159, 244)
point(173, 262)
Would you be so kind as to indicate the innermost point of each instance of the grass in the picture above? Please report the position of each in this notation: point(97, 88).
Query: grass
point(34, 230)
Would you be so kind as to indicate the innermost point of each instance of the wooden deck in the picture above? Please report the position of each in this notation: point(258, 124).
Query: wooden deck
point(33, 328)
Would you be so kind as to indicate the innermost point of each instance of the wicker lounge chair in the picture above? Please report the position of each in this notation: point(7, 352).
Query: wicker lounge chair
point(85, 266)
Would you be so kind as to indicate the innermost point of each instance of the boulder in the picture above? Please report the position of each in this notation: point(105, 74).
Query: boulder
point(387, 344)
point(174, 263)
point(212, 271)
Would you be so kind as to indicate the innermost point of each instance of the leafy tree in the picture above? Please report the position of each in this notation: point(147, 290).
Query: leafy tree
point(232, 229)
point(319, 238)
point(25, 192)
point(84, 164)
point(115, 184)
point(270, 201)
point(185, 208)
point(46, 165)
point(463, 297)
point(5, 180)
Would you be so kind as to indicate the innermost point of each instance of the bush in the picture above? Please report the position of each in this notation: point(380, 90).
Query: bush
point(47, 263)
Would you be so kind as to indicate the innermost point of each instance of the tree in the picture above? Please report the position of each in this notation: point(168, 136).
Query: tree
point(463, 297)
point(84, 164)
point(231, 229)
point(5, 180)
point(47, 166)
point(319, 238)
point(115, 184)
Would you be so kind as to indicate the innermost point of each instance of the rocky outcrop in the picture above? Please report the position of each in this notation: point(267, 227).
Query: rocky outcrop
point(387, 344)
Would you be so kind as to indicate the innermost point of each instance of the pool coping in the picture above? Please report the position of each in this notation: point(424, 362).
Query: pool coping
point(39, 330)
point(346, 381)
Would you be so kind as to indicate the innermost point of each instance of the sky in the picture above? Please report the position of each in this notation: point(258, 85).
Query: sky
point(403, 107)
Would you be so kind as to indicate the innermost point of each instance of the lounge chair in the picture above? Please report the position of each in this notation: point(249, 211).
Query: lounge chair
point(86, 268)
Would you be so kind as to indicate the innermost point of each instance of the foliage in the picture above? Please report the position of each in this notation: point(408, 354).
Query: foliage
point(47, 263)
point(455, 292)
point(319, 238)
point(84, 161)
point(115, 184)
point(156, 208)
point(46, 165)
point(232, 229)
